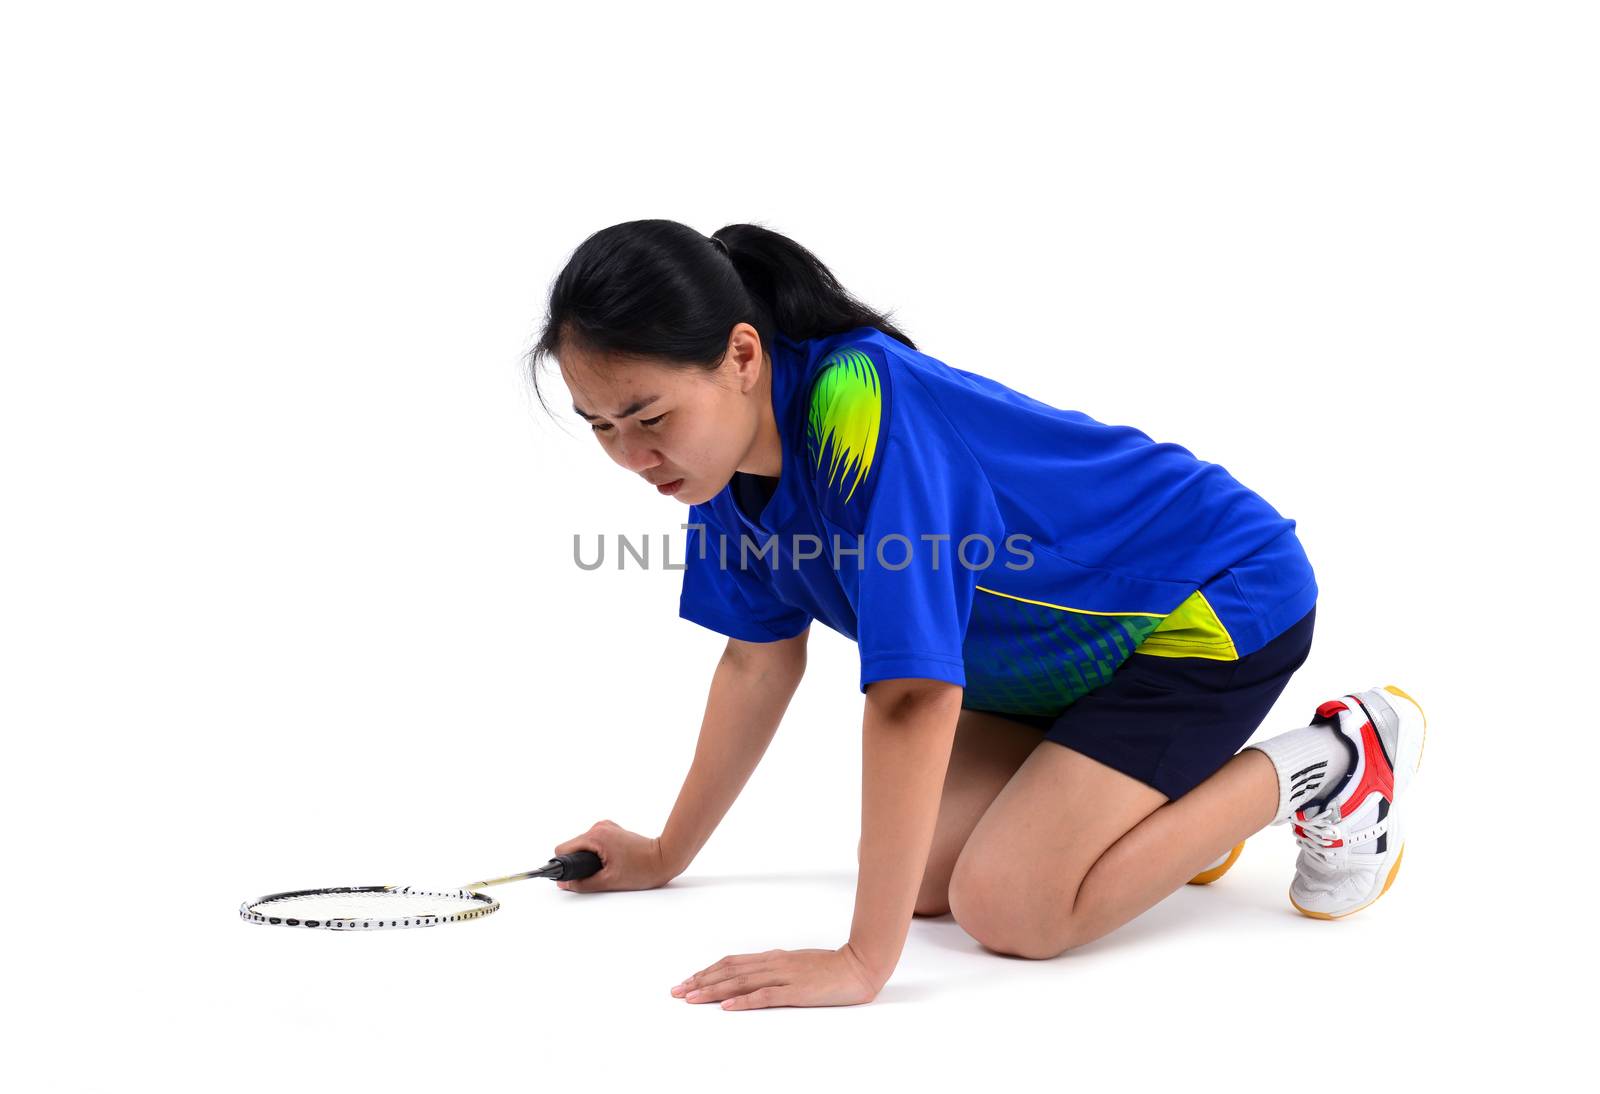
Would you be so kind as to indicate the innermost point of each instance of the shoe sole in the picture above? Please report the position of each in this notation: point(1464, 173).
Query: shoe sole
point(1399, 855)
point(1206, 877)
point(1388, 881)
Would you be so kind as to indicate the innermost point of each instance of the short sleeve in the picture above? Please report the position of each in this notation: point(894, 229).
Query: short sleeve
point(725, 598)
point(895, 479)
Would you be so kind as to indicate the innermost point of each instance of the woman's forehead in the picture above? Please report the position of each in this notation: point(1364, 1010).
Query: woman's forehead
point(605, 369)
point(606, 384)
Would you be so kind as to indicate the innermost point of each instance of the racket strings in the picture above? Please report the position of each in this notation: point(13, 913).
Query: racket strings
point(402, 907)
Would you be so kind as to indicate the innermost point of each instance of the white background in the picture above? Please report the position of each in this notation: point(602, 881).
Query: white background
point(289, 596)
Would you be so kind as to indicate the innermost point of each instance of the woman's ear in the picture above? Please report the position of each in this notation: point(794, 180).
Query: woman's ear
point(746, 357)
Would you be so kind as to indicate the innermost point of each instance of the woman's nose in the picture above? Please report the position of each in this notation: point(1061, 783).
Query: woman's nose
point(636, 456)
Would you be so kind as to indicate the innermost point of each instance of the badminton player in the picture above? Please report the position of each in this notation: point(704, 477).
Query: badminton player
point(1067, 630)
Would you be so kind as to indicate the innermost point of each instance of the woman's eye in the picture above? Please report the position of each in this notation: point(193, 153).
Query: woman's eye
point(605, 427)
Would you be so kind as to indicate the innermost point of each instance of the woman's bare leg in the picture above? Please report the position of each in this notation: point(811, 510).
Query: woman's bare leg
point(1071, 849)
point(1174, 844)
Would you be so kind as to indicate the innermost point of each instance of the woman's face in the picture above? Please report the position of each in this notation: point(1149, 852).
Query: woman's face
point(671, 424)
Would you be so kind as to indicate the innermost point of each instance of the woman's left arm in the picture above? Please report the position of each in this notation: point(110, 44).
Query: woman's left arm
point(907, 732)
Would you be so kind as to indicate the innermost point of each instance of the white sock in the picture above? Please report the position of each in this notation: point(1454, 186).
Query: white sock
point(1309, 761)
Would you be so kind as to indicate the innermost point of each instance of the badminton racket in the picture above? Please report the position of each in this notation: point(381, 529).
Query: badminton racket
point(383, 907)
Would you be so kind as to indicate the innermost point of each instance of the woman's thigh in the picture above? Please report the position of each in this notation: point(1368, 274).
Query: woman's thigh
point(988, 749)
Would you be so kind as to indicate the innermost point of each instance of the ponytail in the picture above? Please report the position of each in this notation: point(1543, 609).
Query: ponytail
point(659, 289)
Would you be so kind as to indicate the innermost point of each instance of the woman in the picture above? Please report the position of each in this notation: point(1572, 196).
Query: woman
point(1066, 629)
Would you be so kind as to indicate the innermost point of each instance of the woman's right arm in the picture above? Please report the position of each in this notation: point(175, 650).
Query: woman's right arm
point(750, 691)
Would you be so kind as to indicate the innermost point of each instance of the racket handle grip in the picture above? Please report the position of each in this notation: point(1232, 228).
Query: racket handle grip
point(579, 864)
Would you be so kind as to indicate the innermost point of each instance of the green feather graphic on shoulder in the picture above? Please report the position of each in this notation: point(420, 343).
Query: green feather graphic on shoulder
point(846, 406)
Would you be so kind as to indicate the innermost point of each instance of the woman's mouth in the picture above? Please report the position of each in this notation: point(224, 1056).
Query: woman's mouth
point(670, 487)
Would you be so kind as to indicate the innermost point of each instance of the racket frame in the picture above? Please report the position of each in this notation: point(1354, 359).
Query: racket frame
point(484, 906)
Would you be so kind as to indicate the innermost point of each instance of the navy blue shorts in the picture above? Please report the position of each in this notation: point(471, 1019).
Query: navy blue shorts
point(1171, 722)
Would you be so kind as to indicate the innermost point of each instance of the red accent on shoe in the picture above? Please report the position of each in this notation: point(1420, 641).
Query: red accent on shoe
point(1330, 708)
point(1376, 775)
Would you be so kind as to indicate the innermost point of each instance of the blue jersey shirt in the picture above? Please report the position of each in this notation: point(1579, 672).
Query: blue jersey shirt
point(958, 530)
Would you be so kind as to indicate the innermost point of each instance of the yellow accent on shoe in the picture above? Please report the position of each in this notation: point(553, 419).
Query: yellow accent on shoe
point(1388, 881)
point(1206, 877)
point(1423, 747)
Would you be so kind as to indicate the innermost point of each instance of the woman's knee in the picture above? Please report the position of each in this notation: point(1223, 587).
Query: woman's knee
point(998, 914)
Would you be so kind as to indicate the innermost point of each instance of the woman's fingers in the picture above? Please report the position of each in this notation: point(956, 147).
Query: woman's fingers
point(774, 996)
point(735, 984)
point(745, 966)
point(721, 967)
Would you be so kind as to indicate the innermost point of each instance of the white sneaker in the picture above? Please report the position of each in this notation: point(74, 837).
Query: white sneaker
point(1218, 868)
point(1351, 840)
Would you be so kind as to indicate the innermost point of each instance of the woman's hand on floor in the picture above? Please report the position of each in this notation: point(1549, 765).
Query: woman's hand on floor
point(783, 978)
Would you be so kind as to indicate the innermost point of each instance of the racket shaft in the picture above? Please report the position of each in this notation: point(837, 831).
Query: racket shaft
point(578, 864)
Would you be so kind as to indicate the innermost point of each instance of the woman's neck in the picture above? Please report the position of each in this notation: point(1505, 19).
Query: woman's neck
point(766, 453)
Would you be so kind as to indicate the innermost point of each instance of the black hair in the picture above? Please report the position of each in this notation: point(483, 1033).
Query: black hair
point(660, 289)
